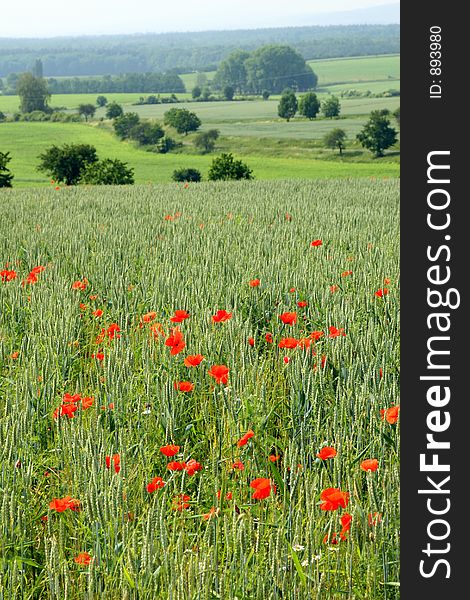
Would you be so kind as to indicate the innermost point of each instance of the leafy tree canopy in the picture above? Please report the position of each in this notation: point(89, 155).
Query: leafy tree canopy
point(66, 163)
point(225, 167)
point(5, 175)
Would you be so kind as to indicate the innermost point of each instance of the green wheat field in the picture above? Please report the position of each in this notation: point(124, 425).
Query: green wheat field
point(270, 468)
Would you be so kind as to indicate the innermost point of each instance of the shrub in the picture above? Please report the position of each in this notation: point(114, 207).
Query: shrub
point(108, 172)
point(186, 175)
point(225, 167)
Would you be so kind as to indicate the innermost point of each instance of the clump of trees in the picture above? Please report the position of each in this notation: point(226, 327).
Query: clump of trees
point(78, 163)
point(377, 135)
point(129, 126)
point(182, 120)
point(5, 174)
point(33, 93)
point(309, 105)
point(225, 167)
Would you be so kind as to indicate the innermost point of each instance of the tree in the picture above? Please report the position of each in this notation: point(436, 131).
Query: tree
point(33, 93)
point(37, 69)
point(87, 110)
point(124, 124)
point(146, 133)
point(287, 106)
point(232, 71)
point(114, 110)
point(309, 105)
point(5, 174)
point(196, 92)
point(265, 94)
point(108, 172)
point(377, 135)
point(201, 80)
point(182, 120)
point(331, 107)
point(101, 101)
point(186, 175)
point(205, 140)
point(396, 114)
point(335, 139)
point(228, 92)
point(66, 163)
point(225, 167)
point(3, 117)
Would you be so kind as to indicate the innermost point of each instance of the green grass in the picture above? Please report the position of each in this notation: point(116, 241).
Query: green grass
point(25, 141)
point(357, 69)
point(137, 261)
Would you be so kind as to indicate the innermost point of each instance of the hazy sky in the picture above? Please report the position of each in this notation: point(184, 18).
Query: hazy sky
point(46, 18)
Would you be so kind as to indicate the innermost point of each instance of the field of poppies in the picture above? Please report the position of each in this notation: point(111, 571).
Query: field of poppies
point(199, 391)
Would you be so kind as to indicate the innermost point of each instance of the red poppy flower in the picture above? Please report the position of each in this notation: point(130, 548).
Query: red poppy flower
point(251, 341)
point(244, 439)
point(387, 280)
point(179, 316)
point(374, 519)
point(181, 502)
point(68, 398)
point(175, 341)
point(292, 290)
point(7, 275)
point(263, 488)
point(113, 331)
point(221, 316)
point(390, 414)
point(156, 484)
point(37, 270)
point(31, 279)
point(212, 513)
point(68, 409)
point(335, 332)
point(334, 288)
point(99, 356)
point(183, 386)
point(219, 373)
point(150, 316)
point(169, 450)
point(288, 343)
point(192, 466)
point(238, 465)
point(87, 402)
point(346, 273)
point(176, 465)
point(116, 462)
point(333, 498)
point(346, 520)
point(370, 464)
point(269, 338)
point(316, 243)
point(93, 297)
point(83, 559)
point(286, 360)
point(274, 457)
point(228, 495)
point(381, 293)
point(302, 304)
point(157, 330)
point(14, 355)
point(193, 360)
point(333, 540)
point(289, 318)
point(255, 282)
point(327, 452)
point(80, 285)
point(62, 504)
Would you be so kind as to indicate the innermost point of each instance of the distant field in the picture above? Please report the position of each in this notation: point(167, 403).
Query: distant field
point(25, 141)
point(345, 70)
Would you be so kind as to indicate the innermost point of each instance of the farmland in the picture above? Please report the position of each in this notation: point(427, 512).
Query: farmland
point(92, 367)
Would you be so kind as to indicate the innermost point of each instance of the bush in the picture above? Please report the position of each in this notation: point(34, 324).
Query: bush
point(114, 110)
point(101, 101)
point(166, 144)
point(66, 163)
point(5, 175)
point(205, 140)
point(108, 172)
point(186, 175)
point(124, 124)
point(225, 167)
point(146, 133)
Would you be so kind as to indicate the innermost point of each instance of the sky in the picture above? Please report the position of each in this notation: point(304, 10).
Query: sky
point(50, 18)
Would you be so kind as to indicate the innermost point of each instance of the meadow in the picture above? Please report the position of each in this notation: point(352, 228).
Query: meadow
point(198, 389)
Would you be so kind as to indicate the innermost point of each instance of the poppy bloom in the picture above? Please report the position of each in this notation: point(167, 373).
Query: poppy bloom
point(116, 461)
point(381, 293)
point(346, 520)
point(335, 332)
point(334, 288)
point(269, 338)
point(14, 355)
point(228, 495)
point(68, 398)
point(292, 290)
point(150, 316)
point(175, 341)
point(83, 559)
point(68, 409)
point(80, 285)
point(113, 331)
point(212, 513)
point(333, 540)
point(156, 484)
point(244, 439)
point(251, 341)
point(99, 356)
point(286, 360)
point(83, 306)
point(219, 373)
point(176, 465)
point(179, 316)
point(7, 275)
point(192, 466)
point(387, 280)
point(333, 498)
point(157, 330)
point(274, 457)
point(238, 465)
point(62, 504)
point(169, 450)
point(390, 414)
point(263, 488)
point(288, 343)
point(181, 502)
point(370, 464)
point(183, 386)
point(93, 297)
point(289, 318)
point(302, 304)
point(327, 452)
point(87, 402)
point(193, 360)
point(316, 243)
point(31, 279)
point(255, 282)
point(374, 519)
point(221, 316)
point(346, 273)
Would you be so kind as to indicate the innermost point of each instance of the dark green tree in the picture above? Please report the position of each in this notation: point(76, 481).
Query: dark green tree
point(265, 94)
point(205, 140)
point(288, 105)
point(228, 92)
point(5, 174)
point(124, 124)
point(86, 110)
point(66, 163)
point(114, 110)
point(335, 139)
point(33, 93)
point(196, 92)
point(182, 120)
point(3, 117)
point(146, 133)
point(225, 167)
point(37, 69)
point(101, 101)
point(331, 107)
point(186, 175)
point(377, 135)
point(108, 172)
point(232, 71)
point(309, 105)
